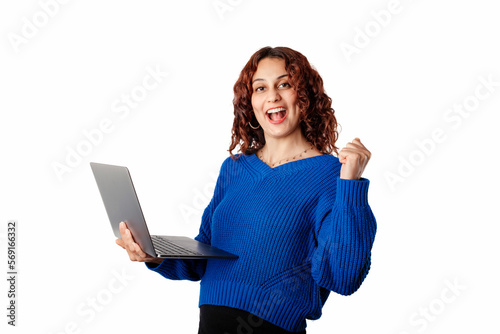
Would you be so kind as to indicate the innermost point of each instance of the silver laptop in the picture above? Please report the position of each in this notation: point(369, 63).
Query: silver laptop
point(121, 203)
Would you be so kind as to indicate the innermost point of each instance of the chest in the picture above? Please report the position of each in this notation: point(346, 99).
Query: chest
point(263, 210)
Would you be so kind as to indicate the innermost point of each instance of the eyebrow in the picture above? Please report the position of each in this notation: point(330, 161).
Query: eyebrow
point(281, 76)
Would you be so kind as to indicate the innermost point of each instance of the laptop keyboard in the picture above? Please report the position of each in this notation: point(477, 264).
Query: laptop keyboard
point(167, 247)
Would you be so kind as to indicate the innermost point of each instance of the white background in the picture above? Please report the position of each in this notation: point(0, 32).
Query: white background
point(437, 223)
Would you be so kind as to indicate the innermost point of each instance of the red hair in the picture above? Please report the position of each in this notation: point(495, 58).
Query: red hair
point(318, 122)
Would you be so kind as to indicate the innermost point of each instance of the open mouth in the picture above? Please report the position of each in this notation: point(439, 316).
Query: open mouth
point(276, 115)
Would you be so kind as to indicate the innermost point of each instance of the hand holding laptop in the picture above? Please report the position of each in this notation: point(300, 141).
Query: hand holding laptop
point(133, 249)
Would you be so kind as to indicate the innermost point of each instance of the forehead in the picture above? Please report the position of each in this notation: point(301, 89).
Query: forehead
point(269, 69)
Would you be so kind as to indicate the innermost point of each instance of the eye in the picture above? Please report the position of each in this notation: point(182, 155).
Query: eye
point(259, 89)
point(285, 84)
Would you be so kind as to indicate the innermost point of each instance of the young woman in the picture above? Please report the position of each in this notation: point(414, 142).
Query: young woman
point(297, 216)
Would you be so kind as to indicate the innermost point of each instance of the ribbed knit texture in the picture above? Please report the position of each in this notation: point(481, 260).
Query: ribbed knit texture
point(299, 231)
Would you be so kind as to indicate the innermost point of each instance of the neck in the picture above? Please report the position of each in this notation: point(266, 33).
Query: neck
point(282, 148)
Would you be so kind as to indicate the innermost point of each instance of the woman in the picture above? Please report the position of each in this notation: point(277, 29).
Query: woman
point(297, 217)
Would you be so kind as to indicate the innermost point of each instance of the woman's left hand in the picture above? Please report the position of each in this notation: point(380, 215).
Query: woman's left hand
point(354, 158)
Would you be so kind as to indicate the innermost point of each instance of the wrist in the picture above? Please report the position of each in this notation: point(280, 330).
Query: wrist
point(155, 261)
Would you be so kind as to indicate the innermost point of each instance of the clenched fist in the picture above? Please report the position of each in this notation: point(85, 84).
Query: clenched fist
point(354, 157)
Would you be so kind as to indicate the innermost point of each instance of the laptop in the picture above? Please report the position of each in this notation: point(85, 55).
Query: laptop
point(121, 203)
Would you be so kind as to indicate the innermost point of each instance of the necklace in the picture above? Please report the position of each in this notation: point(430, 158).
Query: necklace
point(299, 155)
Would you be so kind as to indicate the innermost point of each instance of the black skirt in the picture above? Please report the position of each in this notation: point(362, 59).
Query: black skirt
point(227, 320)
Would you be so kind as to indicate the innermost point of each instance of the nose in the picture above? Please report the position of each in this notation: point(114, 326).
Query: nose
point(273, 96)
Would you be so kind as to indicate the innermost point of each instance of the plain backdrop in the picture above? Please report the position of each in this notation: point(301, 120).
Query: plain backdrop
point(410, 78)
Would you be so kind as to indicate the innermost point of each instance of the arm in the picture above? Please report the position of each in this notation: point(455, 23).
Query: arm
point(170, 268)
point(345, 233)
point(345, 236)
point(193, 270)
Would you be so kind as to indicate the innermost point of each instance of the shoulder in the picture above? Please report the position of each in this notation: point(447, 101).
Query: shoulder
point(331, 159)
point(231, 162)
point(231, 166)
point(327, 175)
point(329, 166)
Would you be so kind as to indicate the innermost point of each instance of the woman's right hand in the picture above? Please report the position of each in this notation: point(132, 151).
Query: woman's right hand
point(135, 253)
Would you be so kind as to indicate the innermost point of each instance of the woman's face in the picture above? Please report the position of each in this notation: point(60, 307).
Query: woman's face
point(274, 100)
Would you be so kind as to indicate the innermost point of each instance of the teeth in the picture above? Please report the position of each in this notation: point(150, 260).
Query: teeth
point(275, 110)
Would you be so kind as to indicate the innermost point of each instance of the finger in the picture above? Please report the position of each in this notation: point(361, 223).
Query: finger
point(131, 243)
point(355, 154)
point(128, 241)
point(134, 250)
point(354, 146)
point(138, 250)
point(126, 233)
point(356, 143)
point(123, 233)
point(122, 226)
point(120, 243)
point(129, 253)
point(354, 157)
point(354, 150)
point(139, 256)
point(128, 238)
point(342, 156)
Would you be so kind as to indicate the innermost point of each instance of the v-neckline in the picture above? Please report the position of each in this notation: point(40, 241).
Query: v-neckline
point(262, 168)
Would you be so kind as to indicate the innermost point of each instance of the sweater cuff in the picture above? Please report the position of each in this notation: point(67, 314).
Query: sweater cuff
point(165, 268)
point(152, 266)
point(352, 192)
point(177, 269)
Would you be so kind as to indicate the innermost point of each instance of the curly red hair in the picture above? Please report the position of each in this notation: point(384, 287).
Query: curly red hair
point(318, 122)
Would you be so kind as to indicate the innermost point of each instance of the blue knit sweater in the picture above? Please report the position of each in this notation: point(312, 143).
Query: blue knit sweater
point(299, 231)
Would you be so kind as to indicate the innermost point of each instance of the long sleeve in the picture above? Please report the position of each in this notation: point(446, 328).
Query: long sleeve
point(193, 270)
point(345, 233)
